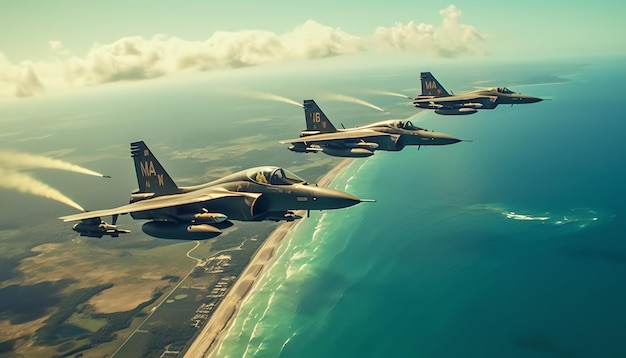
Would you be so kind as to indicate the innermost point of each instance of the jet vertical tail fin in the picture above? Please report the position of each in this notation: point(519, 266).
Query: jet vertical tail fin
point(316, 120)
point(432, 87)
point(151, 176)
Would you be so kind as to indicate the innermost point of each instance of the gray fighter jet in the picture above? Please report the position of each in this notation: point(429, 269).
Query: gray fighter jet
point(434, 96)
point(203, 211)
point(391, 135)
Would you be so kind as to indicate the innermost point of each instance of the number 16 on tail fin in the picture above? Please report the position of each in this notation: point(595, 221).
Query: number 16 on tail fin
point(316, 120)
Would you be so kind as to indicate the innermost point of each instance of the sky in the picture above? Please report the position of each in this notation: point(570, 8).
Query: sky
point(49, 46)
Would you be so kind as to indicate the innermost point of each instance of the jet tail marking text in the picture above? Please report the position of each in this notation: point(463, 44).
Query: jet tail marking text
point(432, 87)
point(151, 176)
point(316, 120)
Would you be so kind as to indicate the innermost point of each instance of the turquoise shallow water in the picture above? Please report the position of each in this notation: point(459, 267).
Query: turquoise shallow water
point(511, 245)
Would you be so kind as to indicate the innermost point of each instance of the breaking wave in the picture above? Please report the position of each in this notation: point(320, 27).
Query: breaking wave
point(575, 218)
point(515, 216)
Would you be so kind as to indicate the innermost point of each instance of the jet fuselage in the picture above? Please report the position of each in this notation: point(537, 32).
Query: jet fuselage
point(203, 211)
point(434, 96)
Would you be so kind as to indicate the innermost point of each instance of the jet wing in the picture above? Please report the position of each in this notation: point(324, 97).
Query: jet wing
point(327, 138)
point(160, 202)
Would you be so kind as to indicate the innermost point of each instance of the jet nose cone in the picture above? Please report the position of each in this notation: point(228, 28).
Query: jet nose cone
point(339, 199)
point(437, 138)
point(325, 198)
point(529, 99)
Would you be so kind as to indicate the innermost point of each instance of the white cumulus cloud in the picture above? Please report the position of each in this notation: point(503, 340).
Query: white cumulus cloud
point(137, 58)
point(450, 40)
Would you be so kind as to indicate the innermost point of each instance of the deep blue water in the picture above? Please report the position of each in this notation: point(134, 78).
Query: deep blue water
point(511, 245)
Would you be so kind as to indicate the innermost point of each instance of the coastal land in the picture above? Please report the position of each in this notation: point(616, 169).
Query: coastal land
point(130, 297)
point(212, 333)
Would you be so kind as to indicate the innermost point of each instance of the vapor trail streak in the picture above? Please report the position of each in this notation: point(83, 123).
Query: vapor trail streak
point(388, 93)
point(26, 184)
point(344, 98)
point(16, 160)
point(274, 97)
point(414, 116)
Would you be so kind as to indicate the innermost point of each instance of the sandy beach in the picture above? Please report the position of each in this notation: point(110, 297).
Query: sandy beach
point(225, 313)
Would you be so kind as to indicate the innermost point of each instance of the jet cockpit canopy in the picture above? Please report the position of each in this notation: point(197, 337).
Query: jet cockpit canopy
point(406, 125)
point(504, 90)
point(274, 176)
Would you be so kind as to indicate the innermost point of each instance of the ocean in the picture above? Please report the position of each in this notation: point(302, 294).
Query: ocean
point(511, 245)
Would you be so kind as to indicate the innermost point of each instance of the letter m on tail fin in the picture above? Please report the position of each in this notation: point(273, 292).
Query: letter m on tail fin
point(151, 176)
point(316, 120)
point(432, 87)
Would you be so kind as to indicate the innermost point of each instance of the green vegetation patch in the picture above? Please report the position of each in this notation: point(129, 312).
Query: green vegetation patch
point(117, 321)
point(87, 322)
point(55, 329)
point(162, 336)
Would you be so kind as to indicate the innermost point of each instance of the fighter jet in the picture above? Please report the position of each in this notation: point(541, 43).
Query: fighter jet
point(203, 211)
point(391, 135)
point(434, 96)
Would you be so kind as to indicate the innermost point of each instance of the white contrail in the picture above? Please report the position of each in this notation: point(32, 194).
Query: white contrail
point(274, 97)
point(389, 93)
point(344, 98)
point(415, 115)
point(26, 184)
point(16, 160)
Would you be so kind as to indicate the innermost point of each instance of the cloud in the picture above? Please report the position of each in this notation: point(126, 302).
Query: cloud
point(137, 58)
point(18, 80)
point(450, 40)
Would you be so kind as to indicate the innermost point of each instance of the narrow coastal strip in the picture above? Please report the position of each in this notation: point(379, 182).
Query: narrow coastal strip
point(225, 313)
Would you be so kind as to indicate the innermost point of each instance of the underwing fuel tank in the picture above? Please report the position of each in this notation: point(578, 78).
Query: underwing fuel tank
point(182, 231)
point(366, 145)
point(456, 112)
point(357, 152)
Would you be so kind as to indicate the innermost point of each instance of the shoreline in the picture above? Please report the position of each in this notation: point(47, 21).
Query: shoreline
point(213, 331)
